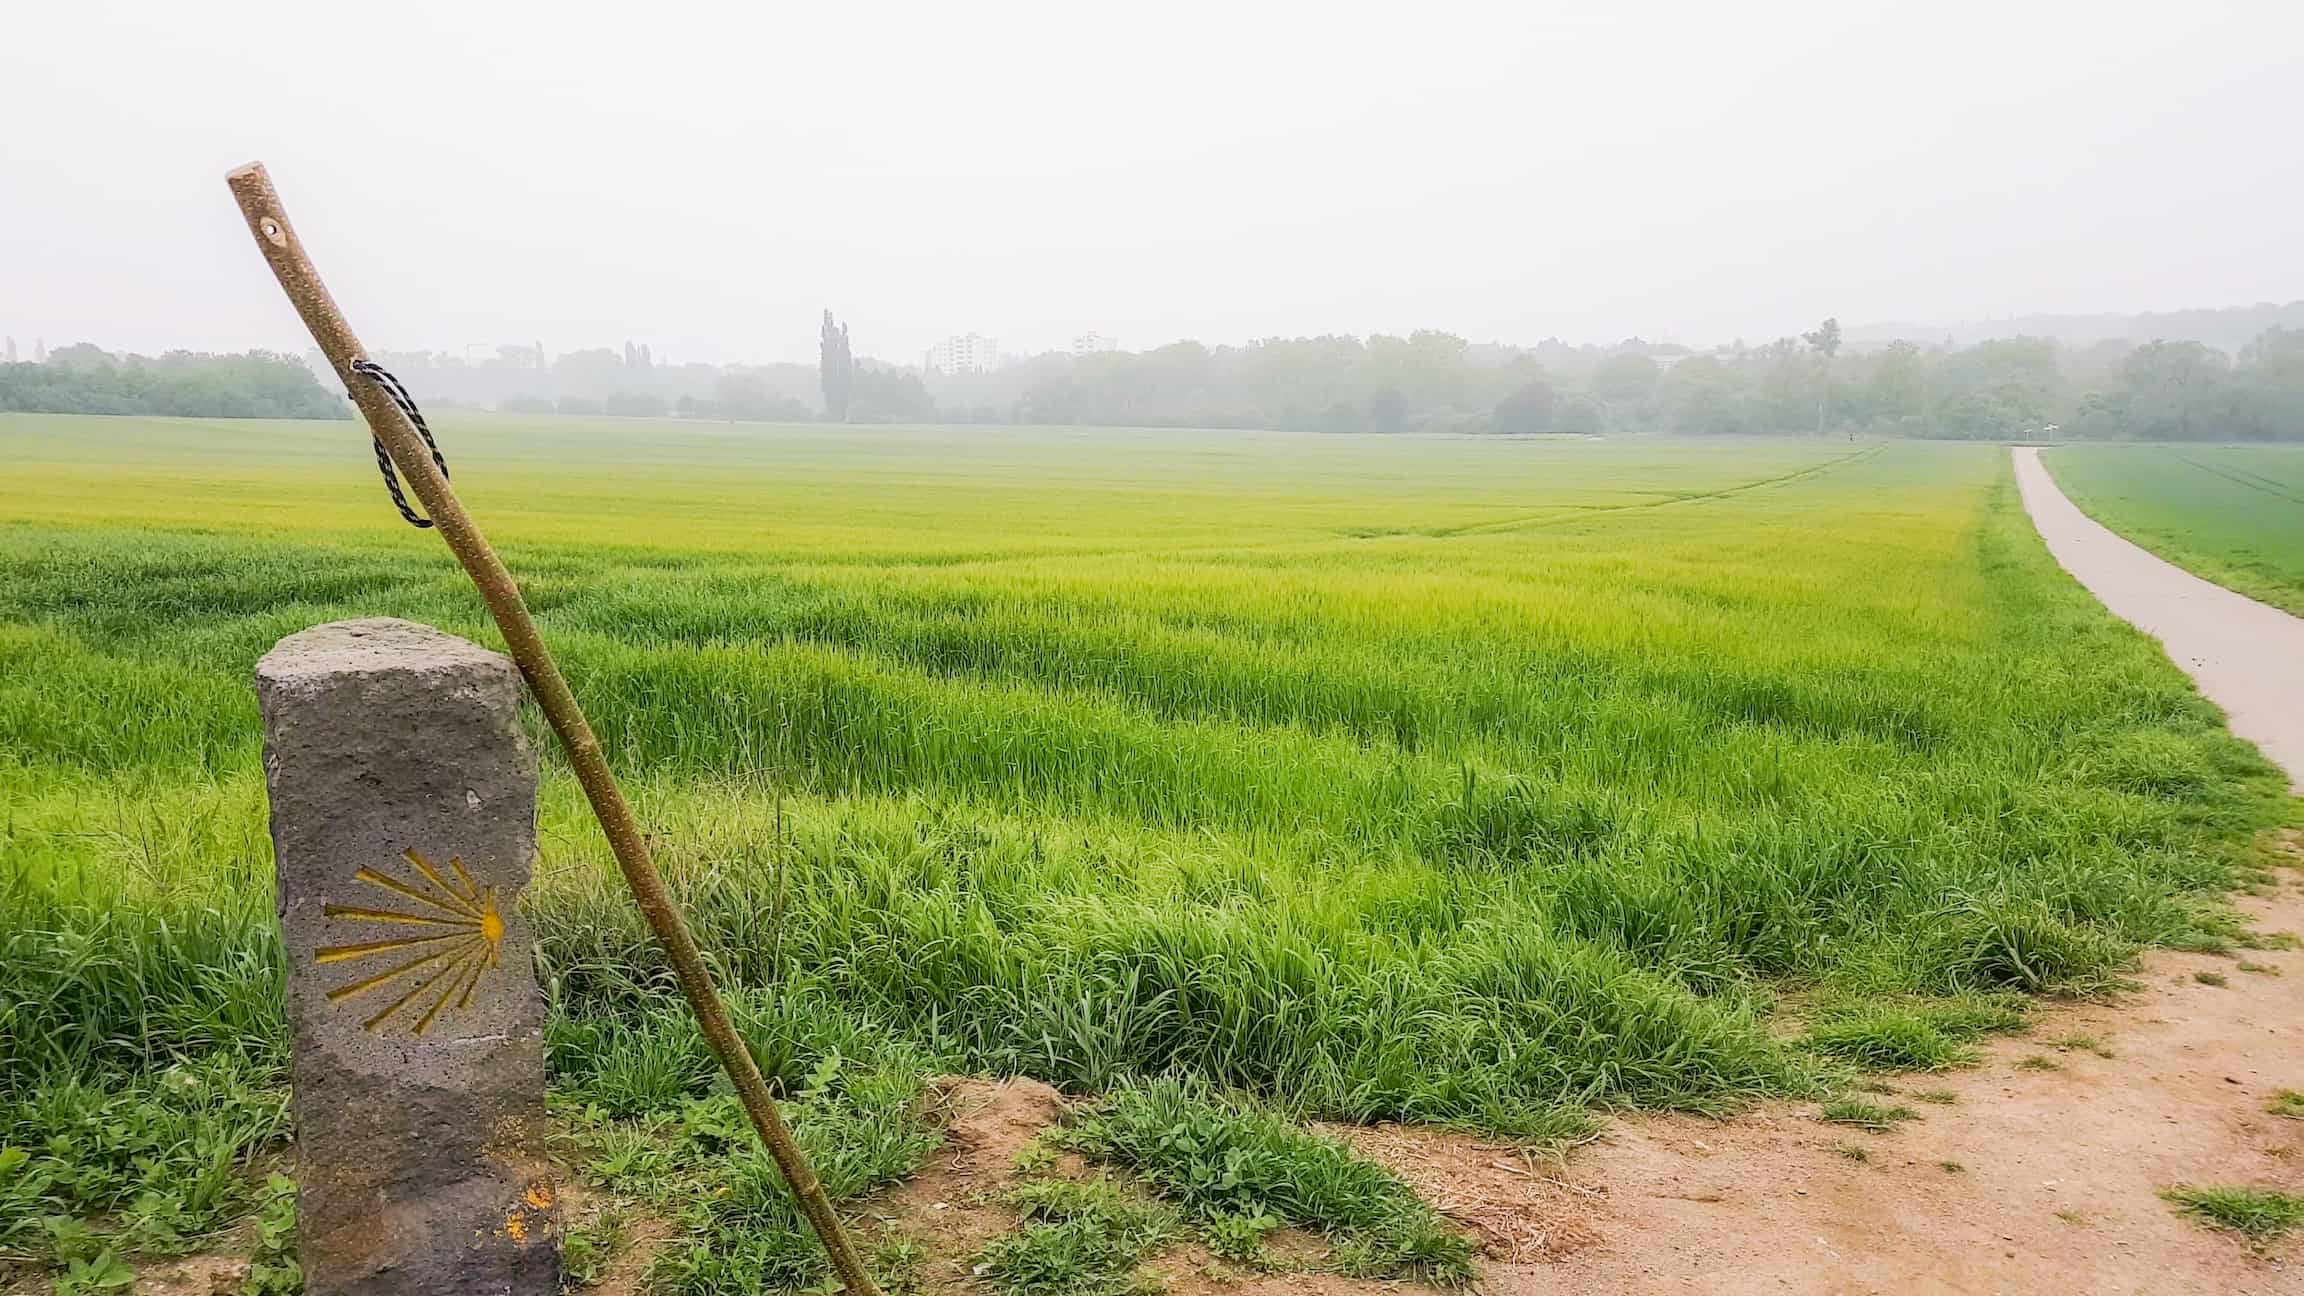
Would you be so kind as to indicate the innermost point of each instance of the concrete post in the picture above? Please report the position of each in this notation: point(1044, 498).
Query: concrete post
point(404, 826)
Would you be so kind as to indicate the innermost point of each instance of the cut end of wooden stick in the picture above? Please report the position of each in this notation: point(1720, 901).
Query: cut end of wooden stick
point(251, 187)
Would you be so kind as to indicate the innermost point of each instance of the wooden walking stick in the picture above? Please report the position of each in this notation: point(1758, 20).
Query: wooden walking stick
point(411, 452)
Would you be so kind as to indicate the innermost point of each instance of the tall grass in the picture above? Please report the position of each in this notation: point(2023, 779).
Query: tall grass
point(1445, 781)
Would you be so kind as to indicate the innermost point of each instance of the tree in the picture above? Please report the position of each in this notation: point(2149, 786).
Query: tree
point(835, 369)
point(2172, 391)
point(634, 404)
point(1054, 400)
point(1527, 410)
point(1825, 341)
point(1783, 387)
point(1897, 389)
point(1577, 417)
point(2270, 378)
point(587, 375)
point(79, 355)
point(83, 379)
point(889, 395)
point(1995, 390)
point(1624, 379)
point(1705, 397)
point(746, 394)
point(1343, 416)
point(1427, 368)
point(1387, 410)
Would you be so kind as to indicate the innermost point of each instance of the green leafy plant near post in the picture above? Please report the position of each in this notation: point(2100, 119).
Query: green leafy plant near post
point(272, 1269)
point(1075, 1239)
point(650, 1129)
point(162, 1159)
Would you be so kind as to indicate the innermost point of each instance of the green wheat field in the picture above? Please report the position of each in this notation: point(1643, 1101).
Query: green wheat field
point(2233, 514)
point(1240, 779)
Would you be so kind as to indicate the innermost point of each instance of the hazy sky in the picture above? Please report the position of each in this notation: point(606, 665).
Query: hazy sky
point(705, 178)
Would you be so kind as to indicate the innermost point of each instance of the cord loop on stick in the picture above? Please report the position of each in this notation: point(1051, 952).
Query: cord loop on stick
point(383, 378)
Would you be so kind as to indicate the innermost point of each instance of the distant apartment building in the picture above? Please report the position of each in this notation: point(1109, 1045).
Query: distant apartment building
point(964, 353)
point(1091, 343)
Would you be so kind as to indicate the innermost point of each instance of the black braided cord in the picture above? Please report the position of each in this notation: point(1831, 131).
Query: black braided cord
point(383, 378)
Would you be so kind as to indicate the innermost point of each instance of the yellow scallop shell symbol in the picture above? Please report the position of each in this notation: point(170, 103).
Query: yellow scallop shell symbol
point(449, 961)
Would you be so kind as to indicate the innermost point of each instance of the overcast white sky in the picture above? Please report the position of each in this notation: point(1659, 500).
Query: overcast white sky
point(705, 178)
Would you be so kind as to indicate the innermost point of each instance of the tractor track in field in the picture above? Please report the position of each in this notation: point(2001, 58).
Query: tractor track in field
point(1696, 497)
point(2238, 477)
point(1557, 514)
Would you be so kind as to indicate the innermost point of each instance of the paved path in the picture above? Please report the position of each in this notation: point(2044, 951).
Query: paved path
point(2248, 658)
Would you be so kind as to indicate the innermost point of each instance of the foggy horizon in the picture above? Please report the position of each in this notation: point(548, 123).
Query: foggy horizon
point(705, 182)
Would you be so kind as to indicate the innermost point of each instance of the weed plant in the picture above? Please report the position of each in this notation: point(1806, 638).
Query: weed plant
point(2262, 1215)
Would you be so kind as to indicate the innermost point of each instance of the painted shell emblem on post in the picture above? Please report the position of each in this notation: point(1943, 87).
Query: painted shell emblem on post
point(432, 972)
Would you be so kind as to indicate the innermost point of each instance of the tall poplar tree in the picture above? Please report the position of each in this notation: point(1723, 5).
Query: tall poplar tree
point(835, 369)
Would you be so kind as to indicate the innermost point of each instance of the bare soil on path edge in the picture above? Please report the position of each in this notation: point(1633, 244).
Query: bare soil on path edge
point(2038, 1176)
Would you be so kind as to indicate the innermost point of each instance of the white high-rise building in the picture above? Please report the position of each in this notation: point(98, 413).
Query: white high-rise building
point(1090, 343)
point(964, 353)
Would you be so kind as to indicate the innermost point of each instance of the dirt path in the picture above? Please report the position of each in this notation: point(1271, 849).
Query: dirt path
point(2038, 1171)
point(2248, 658)
point(2055, 1191)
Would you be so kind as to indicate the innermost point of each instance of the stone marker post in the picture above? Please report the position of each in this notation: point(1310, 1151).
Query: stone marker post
point(404, 823)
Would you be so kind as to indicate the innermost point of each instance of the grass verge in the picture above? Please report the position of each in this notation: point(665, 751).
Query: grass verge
point(1238, 1170)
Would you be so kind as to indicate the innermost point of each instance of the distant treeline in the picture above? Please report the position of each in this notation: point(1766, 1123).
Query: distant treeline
point(2184, 391)
point(82, 379)
point(1434, 382)
point(634, 383)
point(1437, 382)
point(1429, 381)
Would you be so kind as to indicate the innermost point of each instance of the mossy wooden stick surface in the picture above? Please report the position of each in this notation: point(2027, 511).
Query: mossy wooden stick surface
point(276, 239)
